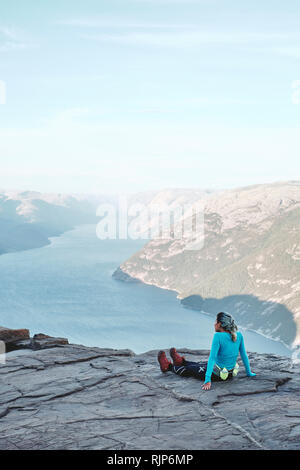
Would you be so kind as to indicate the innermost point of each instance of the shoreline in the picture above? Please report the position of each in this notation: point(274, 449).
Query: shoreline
point(50, 239)
point(291, 348)
point(49, 242)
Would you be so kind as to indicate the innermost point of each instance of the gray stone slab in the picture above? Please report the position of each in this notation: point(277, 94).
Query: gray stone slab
point(76, 397)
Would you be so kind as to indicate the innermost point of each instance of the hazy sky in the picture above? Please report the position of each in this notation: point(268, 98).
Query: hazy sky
point(131, 95)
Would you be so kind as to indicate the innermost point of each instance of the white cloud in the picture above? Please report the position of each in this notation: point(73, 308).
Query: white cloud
point(128, 31)
point(185, 38)
point(12, 39)
point(9, 33)
point(114, 22)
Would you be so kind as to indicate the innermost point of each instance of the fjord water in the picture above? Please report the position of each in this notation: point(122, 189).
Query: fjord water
point(66, 289)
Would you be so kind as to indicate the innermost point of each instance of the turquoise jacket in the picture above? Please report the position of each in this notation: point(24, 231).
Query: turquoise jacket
point(224, 353)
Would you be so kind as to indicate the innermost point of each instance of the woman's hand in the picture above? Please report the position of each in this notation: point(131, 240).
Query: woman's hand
point(206, 386)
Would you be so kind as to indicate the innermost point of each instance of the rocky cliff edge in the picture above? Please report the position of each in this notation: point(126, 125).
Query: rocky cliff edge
point(56, 395)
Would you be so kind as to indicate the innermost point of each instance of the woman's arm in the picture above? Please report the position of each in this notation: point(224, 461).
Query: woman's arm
point(245, 359)
point(212, 357)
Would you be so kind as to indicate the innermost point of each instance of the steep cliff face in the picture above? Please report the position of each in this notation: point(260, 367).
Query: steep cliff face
point(73, 397)
point(249, 262)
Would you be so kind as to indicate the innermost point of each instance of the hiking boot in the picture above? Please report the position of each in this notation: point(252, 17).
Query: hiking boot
point(177, 359)
point(163, 361)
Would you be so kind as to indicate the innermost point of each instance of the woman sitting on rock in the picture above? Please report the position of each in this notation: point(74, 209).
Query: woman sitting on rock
point(222, 361)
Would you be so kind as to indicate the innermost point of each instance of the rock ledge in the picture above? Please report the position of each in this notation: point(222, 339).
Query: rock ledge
point(75, 397)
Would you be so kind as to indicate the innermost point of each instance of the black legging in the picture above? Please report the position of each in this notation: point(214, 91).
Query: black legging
point(195, 369)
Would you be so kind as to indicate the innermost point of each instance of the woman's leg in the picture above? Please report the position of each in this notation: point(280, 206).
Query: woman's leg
point(187, 368)
point(190, 369)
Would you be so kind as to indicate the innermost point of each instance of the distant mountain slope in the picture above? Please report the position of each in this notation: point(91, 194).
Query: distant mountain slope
point(250, 261)
point(28, 218)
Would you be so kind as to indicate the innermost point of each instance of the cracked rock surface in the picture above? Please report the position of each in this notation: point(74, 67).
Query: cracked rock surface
point(77, 397)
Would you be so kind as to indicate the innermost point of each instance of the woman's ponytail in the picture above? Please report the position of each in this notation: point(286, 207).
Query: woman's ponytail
point(233, 335)
point(228, 323)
